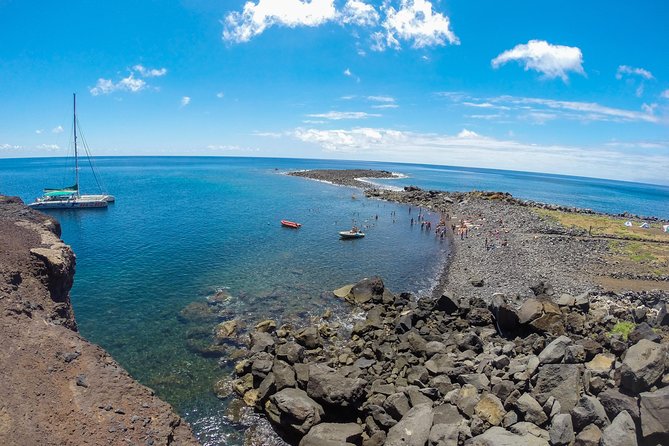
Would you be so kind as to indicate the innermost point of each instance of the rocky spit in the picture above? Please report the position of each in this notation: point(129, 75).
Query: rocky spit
point(56, 388)
point(517, 346)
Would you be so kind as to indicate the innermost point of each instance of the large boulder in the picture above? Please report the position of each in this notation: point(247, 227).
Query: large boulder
point(294, 410)
point(655, 414)
point(336, 433)
point(444, 434)
point(309, 337)
point(562, 381)
point(621, 431)
point(506, 317)
point(643, 366)
point(490, 409)
point(413, 429)
point(555, 351)
point(290, 352)
point(447, 303)
point(615, 402)
point(284, 375)
point(367, 290)
point(589, 436)
point(261, 342)
point(330, 387)
point(589, 411)
point(562, 430)
point(497, 436)
point(530, 408)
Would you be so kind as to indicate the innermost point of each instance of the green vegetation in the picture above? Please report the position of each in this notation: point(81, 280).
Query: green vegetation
point(623, 329)
point(604, 225)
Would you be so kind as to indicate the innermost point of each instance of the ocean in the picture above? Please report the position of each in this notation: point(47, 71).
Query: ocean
point(185, 227)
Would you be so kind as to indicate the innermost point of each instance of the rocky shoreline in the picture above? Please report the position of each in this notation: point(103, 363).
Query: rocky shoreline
point(57, 388)
point(518, 345)
point(559, 370)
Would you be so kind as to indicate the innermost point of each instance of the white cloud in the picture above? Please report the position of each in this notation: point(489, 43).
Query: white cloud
point(231, 148)
point(149, 72)
point(349, 73)
point(588, 111)
point(629, 71)
point(383, 102)
point(255, 18)
point(464, 133)
point(359, 13)
point(540, 110)
point(220, 95)
point(551, 60)
point(339, 115)
point(9, 147)
point(185, 101)
point(665, 94)
point(269, 134)
point(58, 129)
point(39, 131)
point(132, 83)
point(471, 149)
point(380, 99)
point(413, 21)
point(48, 147)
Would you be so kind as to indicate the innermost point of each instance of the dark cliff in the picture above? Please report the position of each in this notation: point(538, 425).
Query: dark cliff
point(56, 387)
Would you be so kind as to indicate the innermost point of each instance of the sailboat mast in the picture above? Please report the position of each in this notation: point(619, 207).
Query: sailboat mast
point(76, 154)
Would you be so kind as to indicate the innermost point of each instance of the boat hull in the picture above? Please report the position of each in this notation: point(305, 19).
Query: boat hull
point(347, 235)
point(290, 224)
point(70, 204)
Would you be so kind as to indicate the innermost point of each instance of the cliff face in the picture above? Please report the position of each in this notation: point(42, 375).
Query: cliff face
point(56, 388)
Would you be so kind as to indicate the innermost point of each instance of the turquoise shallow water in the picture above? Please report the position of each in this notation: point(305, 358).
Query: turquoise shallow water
point(183, 228)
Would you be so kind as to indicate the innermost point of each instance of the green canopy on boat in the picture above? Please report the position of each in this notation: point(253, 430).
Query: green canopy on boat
point(73, 188)
point(59, 193)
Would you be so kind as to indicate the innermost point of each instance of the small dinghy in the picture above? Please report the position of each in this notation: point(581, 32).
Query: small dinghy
point(353, 233)
point(290, 224)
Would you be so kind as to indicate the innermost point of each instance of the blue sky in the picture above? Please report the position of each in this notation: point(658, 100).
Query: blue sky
point(569, 87)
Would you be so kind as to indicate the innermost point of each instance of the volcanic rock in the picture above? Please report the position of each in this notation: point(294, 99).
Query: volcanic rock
point(621, 431)
point(413, 429)
point(643, 365)
point(294, 410)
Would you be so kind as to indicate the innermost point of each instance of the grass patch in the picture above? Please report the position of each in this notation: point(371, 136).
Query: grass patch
point(605, 225)
point(623, 329)
point(653, 257)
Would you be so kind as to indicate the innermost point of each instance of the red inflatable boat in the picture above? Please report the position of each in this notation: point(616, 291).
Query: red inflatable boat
point(290, 224)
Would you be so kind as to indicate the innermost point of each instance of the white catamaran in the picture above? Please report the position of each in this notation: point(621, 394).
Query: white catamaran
point(69, 197)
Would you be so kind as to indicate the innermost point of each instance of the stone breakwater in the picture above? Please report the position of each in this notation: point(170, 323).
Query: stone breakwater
point(560, 369)
point(56, 387)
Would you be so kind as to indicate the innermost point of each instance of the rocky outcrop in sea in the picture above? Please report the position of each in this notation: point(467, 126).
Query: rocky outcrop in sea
point(56, 388)
point(558, 369)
